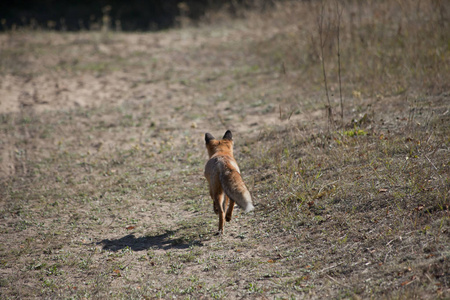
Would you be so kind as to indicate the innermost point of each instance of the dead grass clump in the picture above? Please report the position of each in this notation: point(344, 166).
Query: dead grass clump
point(386, 48)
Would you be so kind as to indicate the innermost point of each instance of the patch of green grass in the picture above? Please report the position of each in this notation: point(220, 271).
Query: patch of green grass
point(354, 132)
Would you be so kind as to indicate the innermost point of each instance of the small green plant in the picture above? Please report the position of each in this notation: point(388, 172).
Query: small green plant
point(85, 263)
point(175, 268)
point(354, 132)
point(254, 288)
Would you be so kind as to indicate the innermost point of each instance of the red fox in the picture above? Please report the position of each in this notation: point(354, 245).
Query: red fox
point(225, 182)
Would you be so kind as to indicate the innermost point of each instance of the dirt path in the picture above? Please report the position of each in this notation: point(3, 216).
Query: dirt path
point(176, 85)
point(182, 76)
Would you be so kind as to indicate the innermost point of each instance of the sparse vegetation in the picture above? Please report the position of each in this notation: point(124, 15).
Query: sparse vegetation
point(102, 154)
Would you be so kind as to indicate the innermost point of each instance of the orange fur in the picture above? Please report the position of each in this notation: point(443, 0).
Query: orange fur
point(226, 186)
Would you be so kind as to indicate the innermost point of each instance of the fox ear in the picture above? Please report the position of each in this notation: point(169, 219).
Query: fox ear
point(208, 137)
point(228, 136)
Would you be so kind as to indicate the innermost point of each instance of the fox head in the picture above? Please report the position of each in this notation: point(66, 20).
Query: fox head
point(224, 145)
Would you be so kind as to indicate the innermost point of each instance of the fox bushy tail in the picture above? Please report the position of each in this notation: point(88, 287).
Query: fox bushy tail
point(235, 189)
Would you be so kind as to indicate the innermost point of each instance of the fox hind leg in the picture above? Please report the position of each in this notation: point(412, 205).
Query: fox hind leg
point(216, 207)
point(219, 203)
point(216, 196)
point(225, 202)
point(229, 210)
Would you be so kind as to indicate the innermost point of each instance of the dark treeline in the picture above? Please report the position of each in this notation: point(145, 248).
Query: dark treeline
point(126, 15)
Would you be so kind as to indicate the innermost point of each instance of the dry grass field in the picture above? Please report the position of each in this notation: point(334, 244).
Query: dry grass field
point(102, 194)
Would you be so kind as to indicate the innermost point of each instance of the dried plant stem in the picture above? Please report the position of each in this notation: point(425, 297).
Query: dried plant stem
point(322, 46)
point(339, 14)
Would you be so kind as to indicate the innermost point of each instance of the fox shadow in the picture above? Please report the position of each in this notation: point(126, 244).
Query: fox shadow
point(161, 241)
